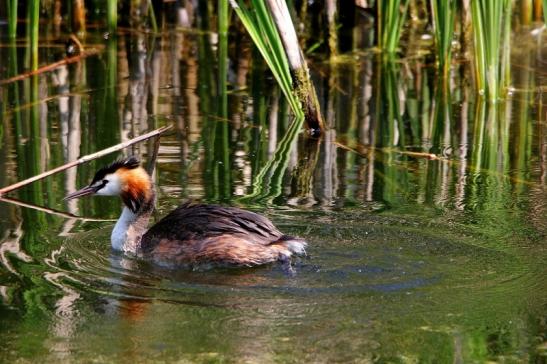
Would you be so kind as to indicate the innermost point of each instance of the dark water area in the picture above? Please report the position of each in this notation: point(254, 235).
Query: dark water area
point(425, 210)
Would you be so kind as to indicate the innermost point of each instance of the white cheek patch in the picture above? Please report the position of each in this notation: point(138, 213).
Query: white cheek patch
point(112, 188)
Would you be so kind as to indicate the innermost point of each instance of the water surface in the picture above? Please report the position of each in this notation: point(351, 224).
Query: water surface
point(424, 210)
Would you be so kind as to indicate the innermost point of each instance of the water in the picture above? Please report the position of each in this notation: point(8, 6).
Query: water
point(424, 212)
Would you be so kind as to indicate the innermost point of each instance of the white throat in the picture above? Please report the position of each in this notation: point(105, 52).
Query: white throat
point(120, 235)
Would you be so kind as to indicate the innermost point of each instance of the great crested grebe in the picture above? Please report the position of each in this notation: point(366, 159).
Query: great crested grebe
point(190, 234)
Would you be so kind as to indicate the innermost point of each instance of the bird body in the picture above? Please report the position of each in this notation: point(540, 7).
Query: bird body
point(197, 233)
point(190, 234)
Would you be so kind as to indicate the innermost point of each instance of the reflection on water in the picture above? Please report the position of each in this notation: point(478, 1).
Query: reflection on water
point(424, 208)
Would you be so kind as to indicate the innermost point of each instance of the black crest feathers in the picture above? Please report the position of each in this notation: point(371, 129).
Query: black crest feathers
point(129, 163)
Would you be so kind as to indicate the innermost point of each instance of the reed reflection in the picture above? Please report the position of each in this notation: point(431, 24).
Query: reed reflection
point(398, 142)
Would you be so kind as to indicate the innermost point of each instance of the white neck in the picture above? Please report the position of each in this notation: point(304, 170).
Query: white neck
point(119, 237)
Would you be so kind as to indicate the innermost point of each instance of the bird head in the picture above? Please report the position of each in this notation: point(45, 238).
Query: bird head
point(124, 178)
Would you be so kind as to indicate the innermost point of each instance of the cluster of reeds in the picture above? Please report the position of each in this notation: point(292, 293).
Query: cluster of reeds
point(264, 20)
point(391, 16)
point(32, 30)
point(491, 34)
point(261, 28)
point(443, 15)
point(491, 29)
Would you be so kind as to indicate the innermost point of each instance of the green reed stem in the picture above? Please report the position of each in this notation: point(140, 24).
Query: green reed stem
point(491, 32)
point(545, 11)
point(263, 32)
point(12, 18)
point(391, 17)
point(443, 13)
point(33, 27)
point(223, 53)
point(222, 91)
point(391, 128)
point(13, 89)
point(152, 16)
point(526, 11)
point(112, 15)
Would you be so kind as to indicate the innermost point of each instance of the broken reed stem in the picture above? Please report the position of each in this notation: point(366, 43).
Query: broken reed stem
point(85, 159)
point(304, 88)
point(48, 67)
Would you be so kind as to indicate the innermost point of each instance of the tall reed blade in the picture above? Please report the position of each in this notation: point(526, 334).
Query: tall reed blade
point(32, 33)
point(390, 20)
point(112, 15)
point(222, 98)
point(152, 14)
point(491, 34)
point(12, 17)
point(443, 13)
point(263, 32)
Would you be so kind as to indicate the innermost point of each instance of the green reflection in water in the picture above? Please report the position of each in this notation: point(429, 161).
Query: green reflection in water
point(424, 209)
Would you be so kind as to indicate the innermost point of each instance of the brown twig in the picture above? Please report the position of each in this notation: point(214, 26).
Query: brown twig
point(84, 159)
point(66, 215)
point(49, 67)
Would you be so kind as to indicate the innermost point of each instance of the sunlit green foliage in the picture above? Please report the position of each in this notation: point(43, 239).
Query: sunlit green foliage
point(262, 30)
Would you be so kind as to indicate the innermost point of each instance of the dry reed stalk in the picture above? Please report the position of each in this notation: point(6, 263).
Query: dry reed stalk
point(84, 159)
point(49, 67)
point(303, 85)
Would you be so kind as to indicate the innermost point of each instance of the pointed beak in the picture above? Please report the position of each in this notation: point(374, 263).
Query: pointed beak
point(80, 193)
